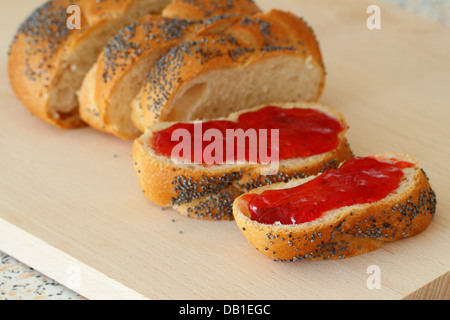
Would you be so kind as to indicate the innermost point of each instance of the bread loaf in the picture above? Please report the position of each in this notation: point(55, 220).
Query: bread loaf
point(207, 192)
point(266, 57)
point(116, 78)
point(345, 231)
point(48, 61)
point(141, 53)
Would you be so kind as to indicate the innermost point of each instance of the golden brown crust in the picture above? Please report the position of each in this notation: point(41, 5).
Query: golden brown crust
point(42, 47)
point(208, 192)
point(33, 65)
point(199, 10)
point(246, 42)
point(217, 204)
point(357, 230)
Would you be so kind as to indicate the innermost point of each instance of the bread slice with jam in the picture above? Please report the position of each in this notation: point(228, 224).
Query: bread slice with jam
point(311, 140)
point(341, 213)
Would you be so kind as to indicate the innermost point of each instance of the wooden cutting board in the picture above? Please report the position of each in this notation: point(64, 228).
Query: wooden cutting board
point(70, 205)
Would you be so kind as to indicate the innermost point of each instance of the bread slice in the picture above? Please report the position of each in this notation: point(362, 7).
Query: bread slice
point(117, 76)
point(347, 231)
point(208, 192)
point(266, 57)
point(48, 61)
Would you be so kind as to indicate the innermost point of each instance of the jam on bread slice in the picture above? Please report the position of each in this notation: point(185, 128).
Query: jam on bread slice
point(311, 139)
point(340, 213)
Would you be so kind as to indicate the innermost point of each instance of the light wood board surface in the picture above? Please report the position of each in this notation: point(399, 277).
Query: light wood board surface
point(70, 205)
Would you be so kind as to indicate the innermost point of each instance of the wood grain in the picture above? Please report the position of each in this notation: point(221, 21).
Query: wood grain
point(438, 289)
point(74, 194)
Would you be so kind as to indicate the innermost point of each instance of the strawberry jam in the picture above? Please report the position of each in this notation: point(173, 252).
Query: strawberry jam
point(303, 132)
point(357, 181)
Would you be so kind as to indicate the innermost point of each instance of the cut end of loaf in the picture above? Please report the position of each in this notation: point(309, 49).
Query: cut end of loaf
point(220, 92)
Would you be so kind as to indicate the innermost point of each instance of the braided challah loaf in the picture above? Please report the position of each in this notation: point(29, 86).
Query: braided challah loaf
point(259, 59)
point(48, 61)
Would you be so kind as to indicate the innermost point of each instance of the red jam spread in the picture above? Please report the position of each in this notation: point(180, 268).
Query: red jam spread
point(357, 181)
point(303, 132)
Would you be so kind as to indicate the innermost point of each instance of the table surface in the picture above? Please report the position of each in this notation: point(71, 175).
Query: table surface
point(18, 281)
